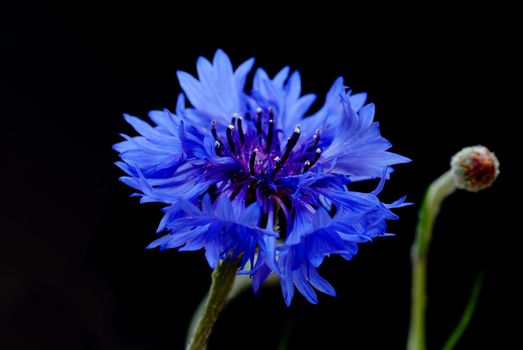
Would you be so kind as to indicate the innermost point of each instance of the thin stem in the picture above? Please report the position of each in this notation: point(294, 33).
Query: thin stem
point(284, 341)
point(222, 281)
point(467, 316)
point(241, 283)
point(418, 306)
point(431, 205)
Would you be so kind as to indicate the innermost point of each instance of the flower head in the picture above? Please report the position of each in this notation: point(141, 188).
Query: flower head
point(249, 175)
point(474, 168)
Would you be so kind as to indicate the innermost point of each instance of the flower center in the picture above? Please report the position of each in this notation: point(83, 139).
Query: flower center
point(255, 144)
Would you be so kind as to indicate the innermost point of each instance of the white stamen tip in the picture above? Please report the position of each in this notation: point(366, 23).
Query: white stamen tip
point(318, 150)
point(217, 144)
point(259, 110)
point(277, 159)
point(231, 126)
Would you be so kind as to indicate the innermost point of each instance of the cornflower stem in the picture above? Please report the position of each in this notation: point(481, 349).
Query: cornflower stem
point(241, 283)
point(222, 282)
point(467, 316)
point(430, 207)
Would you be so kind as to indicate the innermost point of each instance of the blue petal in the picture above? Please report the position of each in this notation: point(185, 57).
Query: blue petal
point(358, 100)
point(224, 209)
point(212, 254)
point(259, 277)
point(282, 75)
point(287, 287)
point(320, 283)
point(240, 75)
point(143, 128)
point(300, 280)
point(192, 89)
point(223, 65)
point(293, 86)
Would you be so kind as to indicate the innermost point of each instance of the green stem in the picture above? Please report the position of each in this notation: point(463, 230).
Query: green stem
point(241, 283)
point(430, 207)
point(222, 281)
point(286, 336)
point(467, 316)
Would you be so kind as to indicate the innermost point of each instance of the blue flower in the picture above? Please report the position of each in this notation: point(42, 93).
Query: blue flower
point(251, 176)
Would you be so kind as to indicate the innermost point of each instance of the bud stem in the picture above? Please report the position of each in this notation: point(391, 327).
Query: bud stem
point(431, 205)
point(222, 281)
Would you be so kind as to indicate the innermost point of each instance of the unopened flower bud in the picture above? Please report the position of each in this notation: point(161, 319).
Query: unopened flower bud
point(474, 168)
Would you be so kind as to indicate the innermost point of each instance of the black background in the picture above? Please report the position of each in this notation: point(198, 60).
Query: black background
point(73, 270)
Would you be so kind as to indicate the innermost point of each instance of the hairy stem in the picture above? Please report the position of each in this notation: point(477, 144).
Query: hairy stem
point(466, 317)
point(431, 205)
point(222, 281)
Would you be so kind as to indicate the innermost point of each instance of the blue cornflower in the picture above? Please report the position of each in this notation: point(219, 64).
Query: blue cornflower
point(250, 176)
